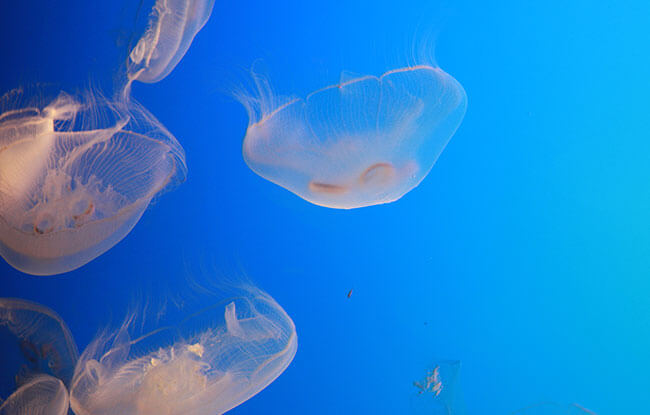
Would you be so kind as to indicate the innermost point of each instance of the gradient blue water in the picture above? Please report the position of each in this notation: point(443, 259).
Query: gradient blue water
point(524, 254)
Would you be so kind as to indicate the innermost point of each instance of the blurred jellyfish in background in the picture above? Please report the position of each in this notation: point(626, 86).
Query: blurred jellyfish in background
point(173, 24)
point(552, 408)
point(35, 340)
point(42, 395)
point(76, 174)
point(365, 141)
point(37, 361)
point(438, 391)
point(207, 364)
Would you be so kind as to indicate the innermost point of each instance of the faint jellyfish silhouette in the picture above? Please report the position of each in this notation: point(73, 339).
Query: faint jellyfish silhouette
point(210, 363)
point(438, 391)
point(41, 336)
point(42, 395)
point(363, 142)
point(553, 408)
point(76, 175)
point(431, 383)
point(173, 24)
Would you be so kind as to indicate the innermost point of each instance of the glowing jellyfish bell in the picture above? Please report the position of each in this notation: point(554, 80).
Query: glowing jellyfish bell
point(365, 141)
point(75, 176)
point(42, 395)
point(210, 363)
point(173, 24)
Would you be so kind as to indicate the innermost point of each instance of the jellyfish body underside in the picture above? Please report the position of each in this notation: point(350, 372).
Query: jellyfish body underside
point(208, 372)
point(172, 27)
point(43, 395)
point(363, 142)
point(68, 193)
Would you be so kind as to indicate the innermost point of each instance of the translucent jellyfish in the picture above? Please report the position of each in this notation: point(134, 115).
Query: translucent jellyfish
point(438, 391)
point(42, 395)
point(552, 408)
point(172, 27)
point(208, 364)
point(363, 142)
point(76, 174)
point(44, 341)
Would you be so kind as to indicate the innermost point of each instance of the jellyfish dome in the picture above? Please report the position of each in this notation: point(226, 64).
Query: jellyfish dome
point(76, 174)
point(42, 338)
point(208, 364)
point(38, 359)
point(362, 142)
point(42, 395)
point(173, 24)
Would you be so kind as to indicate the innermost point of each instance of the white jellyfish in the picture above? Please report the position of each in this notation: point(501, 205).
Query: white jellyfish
point(362, 142)
point(172, 27)
point(76, 174)
point(42, 395)
point(44, 339)
point(206, 365)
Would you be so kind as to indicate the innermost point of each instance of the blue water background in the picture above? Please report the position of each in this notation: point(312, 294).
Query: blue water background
point(524, 254)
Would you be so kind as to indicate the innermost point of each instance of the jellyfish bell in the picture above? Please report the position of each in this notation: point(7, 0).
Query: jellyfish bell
point(172, 27)
point(35, 341)
point(209, 363)
point(173, 24)
point(34, 376)
point(42, 395)
point(365, 141)
point(76, 174)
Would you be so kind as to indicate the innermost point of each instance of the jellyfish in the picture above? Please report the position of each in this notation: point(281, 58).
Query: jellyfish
point(431, 382)
point(365, 141)
point(173, 24)
point(207, 364)
point(44, 363)
point(76, 174)
point(42, 395)
point(438, 390)
point(42, 338)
